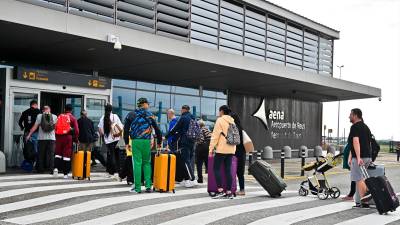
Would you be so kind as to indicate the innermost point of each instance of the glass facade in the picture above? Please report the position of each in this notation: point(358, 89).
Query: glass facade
point(204, 104)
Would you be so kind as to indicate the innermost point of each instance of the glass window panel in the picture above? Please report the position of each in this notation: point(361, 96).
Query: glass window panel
point(161, 87)
point(209, 93)
point(207, 106)
point(220, 103)
point(95, 109)
point(124, 83)
point(123, 101)
point(221, 95)
point(184, 90)
point(146, 86)
point(147, 94)
point(76, 103)
point(180, 100)
point(165, 100)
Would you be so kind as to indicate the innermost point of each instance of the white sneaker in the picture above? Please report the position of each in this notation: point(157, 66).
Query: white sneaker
point(189, 184)
point(55, 172)
point(117, 178)
point(182, 183)
point(65, 176)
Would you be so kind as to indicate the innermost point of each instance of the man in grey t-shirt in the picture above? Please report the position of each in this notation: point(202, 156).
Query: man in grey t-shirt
point(46, 124)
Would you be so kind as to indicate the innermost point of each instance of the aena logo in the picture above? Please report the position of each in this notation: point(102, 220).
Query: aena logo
point(272, 114)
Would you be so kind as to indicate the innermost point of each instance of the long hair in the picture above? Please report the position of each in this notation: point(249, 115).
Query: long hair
point(107, 120)
point(236, 118)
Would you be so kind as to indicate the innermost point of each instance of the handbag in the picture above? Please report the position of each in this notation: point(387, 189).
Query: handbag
point(116, 130)
point(247, 142)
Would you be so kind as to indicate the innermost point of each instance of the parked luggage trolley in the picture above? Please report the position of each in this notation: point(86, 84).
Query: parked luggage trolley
point(318, 184)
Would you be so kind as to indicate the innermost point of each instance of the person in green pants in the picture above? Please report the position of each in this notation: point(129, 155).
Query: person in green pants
point(138, 126)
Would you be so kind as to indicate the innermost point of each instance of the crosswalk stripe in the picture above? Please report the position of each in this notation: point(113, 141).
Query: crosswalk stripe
point(209, 216)
point(48, 181)
point(374, 218)
point(297, 216)
point(154, 209)
point(36, 176)
point(94, 204)
point(11, 193)
point(55, 198)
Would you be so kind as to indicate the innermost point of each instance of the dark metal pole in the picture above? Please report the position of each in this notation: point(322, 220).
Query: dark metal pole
point(303, 160)
point(283, 163)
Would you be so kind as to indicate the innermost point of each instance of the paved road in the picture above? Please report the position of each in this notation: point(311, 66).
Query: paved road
point(41, 199)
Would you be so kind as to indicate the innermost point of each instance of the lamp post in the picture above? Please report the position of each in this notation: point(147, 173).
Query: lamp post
point(338, 113)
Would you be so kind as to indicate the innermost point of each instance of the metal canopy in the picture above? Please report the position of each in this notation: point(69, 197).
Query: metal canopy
point(27, 45)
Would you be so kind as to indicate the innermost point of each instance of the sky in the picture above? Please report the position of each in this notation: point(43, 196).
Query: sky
point(369, 49)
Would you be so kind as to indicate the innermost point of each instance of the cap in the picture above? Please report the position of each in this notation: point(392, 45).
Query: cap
point(141, 101)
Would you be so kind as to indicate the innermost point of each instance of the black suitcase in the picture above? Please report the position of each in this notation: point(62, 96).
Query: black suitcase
point(179, 175)
point(267, 178)
point(382, 192)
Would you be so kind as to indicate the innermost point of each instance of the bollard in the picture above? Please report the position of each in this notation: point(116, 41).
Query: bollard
point(2, 162)
point(268, 153)
point(303, 158)
point(283, 163)
point(331, 149)
point(288, 152)
point(317, 151)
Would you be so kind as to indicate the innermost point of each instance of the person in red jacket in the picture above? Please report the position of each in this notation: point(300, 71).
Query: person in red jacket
point(67, 132)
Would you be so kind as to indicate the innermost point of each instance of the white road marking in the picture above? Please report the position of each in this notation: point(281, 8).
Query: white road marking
point(297, 216)
point(157, 208)
point(49, 181)
point(55, 198)
point(35, 176)
point(374, 218)
point(11, 193)
point(210, 216)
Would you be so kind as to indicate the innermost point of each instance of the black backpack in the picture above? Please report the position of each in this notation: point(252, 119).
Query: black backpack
point(375, 148)
point(47, 124)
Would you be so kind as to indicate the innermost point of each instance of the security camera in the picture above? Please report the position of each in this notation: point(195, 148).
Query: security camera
point(118, 46)
point(380, 99)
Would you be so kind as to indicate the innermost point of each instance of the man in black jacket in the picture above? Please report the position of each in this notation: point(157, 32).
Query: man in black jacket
point(26, 122)
point(86, 132)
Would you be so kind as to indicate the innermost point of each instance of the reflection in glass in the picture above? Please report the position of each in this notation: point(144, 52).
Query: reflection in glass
point(184, 90)
point(124, 83)
point(164, 88)
point(146, 86)
point(95, 109)
point(123, 101)
point(193, 102)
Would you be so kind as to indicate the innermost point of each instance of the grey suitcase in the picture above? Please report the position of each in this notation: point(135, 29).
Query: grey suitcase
point(267, 178)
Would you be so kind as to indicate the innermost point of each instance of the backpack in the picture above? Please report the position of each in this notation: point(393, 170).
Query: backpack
point(63, 125)
point(375, 148)
point(140, 127)
point(194, 132)
point(233, 136)
point(29, 151)
point(47, 122)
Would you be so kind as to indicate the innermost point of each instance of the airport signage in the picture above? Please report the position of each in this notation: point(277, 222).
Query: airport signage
point(62, 78)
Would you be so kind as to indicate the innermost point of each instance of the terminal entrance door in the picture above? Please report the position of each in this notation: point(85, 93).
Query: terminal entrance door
point(57, 102)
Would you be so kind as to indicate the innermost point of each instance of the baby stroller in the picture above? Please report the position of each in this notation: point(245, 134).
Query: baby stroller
point(318, 183)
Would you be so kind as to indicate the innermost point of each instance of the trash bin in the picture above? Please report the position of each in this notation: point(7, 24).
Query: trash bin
point(288, 152)
point(268, 153)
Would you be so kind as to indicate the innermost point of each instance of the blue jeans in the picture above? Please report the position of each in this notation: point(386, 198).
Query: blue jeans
point(187, 153)
point(34, 139)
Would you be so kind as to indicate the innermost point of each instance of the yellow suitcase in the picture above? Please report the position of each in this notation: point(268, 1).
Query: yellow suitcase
point(164, 172)
point(81, 165)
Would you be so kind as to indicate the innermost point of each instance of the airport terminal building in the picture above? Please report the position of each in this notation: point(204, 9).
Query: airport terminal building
point(271, 65)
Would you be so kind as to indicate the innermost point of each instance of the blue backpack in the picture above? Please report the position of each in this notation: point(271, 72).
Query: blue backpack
point(140, 127)
point(194, 132)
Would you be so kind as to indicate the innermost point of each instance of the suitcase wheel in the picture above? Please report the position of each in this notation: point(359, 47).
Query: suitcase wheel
point(173, 191)
point(234, 195)
point(88, 178)
point(154, 189)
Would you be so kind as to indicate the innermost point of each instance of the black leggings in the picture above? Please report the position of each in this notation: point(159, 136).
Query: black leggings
point(241, 164)
point(112, 158)
point(226, 160)
point(352, 189)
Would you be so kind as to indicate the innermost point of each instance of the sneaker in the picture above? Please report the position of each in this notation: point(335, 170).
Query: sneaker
point(189, 184)
point(65, 176)
point(199, 181)
point(194, 183)
point(108, 175)
point(134, 191)
point(361, 206)
point(55, 173)
point(218, 195)
point(241, 193)
point(228, 196)
point(116, 178)
point(182, 183)
point(149, 190)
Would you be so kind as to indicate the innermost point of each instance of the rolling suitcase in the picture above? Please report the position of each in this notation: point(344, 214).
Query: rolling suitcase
point(212, 184)
point(382, 192)
point(267, 178)
point(164, 172)
point(377, 170)
point(179, 176)
point(81, 165)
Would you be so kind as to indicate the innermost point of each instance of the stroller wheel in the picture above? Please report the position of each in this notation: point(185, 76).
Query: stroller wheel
point(303, 191)
point(322, 194)
point(334, 192)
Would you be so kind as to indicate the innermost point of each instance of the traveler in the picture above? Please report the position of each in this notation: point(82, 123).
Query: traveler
point(67, 132)
point(45, 122)
point(240, 155)
point(202, 151)
point(110, 127)
point(172, 140)
point(138, 126)
point(346, 153)
point(224, 151)
point(186, 144)
point(26, 122)
point(360, 153)
point(86, 132)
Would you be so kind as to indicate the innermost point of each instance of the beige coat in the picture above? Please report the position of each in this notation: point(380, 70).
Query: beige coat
point(218, 141)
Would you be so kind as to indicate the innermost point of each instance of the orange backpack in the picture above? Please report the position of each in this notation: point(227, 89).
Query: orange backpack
point(63, 125)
